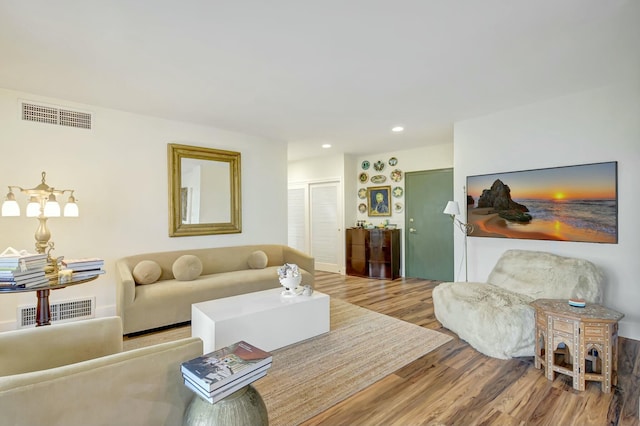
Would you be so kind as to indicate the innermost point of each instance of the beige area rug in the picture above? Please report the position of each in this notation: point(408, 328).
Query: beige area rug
point(362, 347)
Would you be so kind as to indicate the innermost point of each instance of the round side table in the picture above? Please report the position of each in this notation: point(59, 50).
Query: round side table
point(43, 310)
point(242, 408)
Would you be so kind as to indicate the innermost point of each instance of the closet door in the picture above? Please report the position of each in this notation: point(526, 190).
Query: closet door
point(325, 232)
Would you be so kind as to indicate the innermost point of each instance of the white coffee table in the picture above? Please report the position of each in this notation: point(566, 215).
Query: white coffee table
point(264, 318)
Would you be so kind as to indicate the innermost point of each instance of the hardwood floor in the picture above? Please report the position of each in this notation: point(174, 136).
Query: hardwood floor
point(456, 385)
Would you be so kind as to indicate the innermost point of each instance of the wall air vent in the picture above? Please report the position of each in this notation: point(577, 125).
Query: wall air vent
point(66, 311)
point(55, 115)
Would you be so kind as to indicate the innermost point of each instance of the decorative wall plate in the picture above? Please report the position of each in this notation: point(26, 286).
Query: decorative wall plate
point(398, 207)
point(363, 177)
point(362, 193)
point(393, 161)
point(365, 165)
point(378, 179)
point(396, 175)
point(378, 165)
point(362, 208)
point(397, 191)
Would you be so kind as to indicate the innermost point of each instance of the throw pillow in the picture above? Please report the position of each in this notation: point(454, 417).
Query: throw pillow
point(147, 272)
point(258, 260)
point(187, 267)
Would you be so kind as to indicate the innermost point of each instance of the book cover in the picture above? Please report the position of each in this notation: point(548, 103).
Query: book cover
point(234, 382)
point(213, 397)
point(24, 257)
point(88, 267)
point(10, 254)
point(10, 286)
point(22, 266)
point(69, 263)
point(21, 274)
point(225, 365)
point(43, 281)
point(88, 272)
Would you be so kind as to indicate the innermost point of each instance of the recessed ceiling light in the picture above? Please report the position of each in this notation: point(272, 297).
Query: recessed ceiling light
point(326, 145)
point(397, 129)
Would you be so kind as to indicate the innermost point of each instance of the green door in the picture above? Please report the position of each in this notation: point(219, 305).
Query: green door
point(428, 232)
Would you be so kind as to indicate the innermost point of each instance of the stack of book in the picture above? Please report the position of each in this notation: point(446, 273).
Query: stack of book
point(83, 268)
point(220, 373)
point(22, 269)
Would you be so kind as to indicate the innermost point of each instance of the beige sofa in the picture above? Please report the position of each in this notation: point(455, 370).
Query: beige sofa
point(76, 374)
point(496, 317)
point(225, 272)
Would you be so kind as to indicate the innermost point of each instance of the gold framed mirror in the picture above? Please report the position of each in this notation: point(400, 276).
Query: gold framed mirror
point(204, 191)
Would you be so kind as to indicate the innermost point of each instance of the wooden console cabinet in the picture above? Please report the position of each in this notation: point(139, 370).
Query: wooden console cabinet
point(579, 342)
point(373, 253)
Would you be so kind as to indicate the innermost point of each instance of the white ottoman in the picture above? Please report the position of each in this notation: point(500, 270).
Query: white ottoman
point(265, 319)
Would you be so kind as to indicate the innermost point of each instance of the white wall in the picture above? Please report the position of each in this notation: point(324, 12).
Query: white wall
point(316, 169)
point(119, 172)
point(589, 127)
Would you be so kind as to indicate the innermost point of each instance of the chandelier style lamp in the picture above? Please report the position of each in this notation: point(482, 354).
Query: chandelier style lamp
point(453, 210)
point(43, 204)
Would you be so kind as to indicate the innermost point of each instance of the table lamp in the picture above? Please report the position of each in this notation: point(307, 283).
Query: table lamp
point(43, 204)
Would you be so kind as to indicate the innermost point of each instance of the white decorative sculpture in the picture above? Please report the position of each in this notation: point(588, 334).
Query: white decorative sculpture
point(290, 278)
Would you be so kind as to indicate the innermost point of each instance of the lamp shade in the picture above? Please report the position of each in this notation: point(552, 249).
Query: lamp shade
point(452, 208)
point(52, 208)
point(71, 210)
point(10, 208)
point(33, 208)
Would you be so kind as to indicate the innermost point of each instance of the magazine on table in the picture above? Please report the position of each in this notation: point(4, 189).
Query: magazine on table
point(224, 391)
point(21, 260)
point(89, 261)
point(225, 365)
point(234, 382)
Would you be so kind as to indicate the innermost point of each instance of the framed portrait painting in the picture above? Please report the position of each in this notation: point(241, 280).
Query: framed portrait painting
point(379, 200)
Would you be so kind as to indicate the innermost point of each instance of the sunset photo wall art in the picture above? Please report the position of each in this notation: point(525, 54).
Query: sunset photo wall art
point(572, 203)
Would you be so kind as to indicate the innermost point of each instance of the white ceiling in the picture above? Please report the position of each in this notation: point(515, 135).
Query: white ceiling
point(325, 71)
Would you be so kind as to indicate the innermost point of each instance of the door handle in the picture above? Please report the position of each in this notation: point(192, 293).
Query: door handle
point(412, 230)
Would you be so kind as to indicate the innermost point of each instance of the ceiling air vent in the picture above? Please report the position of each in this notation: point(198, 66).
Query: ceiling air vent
point(55, 115)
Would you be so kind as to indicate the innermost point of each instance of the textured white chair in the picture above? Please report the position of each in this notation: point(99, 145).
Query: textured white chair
point(496, 317)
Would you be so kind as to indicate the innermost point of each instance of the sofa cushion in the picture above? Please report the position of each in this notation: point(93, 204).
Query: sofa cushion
point(187, 268)
point(146, 272)
point(258, 260)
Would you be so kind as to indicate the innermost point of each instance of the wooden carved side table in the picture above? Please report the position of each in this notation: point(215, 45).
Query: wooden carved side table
point(579, 342)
